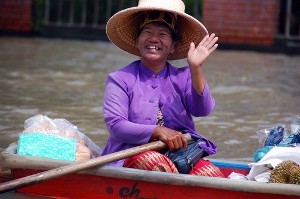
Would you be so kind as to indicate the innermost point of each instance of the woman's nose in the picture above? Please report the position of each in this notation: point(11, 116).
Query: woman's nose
point(153, 37)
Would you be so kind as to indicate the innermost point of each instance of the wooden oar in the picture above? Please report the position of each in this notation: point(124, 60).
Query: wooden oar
point(76, 167)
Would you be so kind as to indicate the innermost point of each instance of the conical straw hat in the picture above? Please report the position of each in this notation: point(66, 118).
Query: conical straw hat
point(122, 27)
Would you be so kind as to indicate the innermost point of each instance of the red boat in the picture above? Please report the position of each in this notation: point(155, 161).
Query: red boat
point(115, 182)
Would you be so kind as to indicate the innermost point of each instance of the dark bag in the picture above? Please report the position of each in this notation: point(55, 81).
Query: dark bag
point(184, 160)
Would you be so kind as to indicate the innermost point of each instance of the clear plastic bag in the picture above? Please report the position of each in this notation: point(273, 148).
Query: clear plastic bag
point(55, 138)
point(278, 136)
point(293, 139)
point(295, 124)
point(271, 136)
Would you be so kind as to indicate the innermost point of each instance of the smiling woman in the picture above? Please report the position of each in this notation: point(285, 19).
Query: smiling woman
point(150, 99)
point(155, 44)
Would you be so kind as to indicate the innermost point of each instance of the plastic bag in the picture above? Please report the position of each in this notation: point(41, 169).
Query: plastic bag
point(295, 124)
point(55, 138)
point(278, 136)
point(48, 146)
point(293, 139)
point(271, 136)
point(261, 152)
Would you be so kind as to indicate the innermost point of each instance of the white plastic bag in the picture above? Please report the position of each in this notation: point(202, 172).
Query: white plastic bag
point(62, 128)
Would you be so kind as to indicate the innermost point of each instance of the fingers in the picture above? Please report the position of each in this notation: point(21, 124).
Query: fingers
point(204, 40)
point(174, 139)
point(207, 45)
point(197, 55)
point(185, 142)
point(192, 48)
point(212, 42)
point(209, 41)
point(213, 48)
point(178, 142)
point(175, 142)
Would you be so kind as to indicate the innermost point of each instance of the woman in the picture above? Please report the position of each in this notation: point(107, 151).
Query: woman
point(150, 99)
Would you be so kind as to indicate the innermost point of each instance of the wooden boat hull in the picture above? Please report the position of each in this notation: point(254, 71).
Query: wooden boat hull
point(115, 182)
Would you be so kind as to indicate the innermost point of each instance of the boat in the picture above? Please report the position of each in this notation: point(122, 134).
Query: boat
point(110, 182)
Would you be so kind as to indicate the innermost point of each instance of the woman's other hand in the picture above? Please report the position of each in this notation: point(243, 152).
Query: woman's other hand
point(197, 55)
point(174, 139)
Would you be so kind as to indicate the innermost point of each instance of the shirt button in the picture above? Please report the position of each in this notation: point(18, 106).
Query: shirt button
point(154, 86)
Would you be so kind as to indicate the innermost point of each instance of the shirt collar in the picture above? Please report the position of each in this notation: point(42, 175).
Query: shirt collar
point(149, 73)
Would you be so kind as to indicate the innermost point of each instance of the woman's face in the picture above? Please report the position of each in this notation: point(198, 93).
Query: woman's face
point(155, 43)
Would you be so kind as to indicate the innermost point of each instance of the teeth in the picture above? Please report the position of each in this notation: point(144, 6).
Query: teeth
point(153, 47)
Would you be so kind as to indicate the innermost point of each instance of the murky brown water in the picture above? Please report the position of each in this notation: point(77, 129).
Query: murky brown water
point(66, 78)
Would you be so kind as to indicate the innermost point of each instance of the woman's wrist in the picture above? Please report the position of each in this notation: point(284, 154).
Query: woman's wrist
point(155, 133)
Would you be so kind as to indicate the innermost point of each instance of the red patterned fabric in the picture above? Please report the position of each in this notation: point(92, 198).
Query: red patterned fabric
point(155, 161)
point(206, 168)
point(152, 161)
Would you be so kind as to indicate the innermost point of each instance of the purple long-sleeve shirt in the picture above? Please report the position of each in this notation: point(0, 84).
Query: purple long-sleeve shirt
point(133, 95)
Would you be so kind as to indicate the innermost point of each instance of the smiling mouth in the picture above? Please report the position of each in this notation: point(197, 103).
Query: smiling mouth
point(153, 47)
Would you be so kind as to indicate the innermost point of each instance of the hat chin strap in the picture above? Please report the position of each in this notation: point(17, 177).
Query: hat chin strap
point(175, 5)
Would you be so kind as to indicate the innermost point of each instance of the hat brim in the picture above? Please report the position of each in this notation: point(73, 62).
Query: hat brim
point(122, 29)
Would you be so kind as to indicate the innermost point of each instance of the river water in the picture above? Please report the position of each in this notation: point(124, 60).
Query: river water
point(66, 78)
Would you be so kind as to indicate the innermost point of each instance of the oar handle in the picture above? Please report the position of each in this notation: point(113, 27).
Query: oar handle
point(76, 167)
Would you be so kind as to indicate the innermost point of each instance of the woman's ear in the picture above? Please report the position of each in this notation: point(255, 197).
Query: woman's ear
point(173, 47)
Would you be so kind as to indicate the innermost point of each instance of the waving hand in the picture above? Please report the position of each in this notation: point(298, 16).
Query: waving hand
point(197, 55)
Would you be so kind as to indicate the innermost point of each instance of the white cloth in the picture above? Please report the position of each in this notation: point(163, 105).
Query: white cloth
point(275, 156)
point(237, 176)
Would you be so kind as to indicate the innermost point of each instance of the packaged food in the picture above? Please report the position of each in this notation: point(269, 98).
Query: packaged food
point(55, 138)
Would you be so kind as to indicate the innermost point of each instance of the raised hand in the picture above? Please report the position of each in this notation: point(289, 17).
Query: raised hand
point(197, 55)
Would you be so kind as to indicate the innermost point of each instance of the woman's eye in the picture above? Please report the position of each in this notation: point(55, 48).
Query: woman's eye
point(164, 34)
point(147, 31)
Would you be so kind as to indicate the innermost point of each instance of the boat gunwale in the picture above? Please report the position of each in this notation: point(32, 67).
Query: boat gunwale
point(12, 161)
